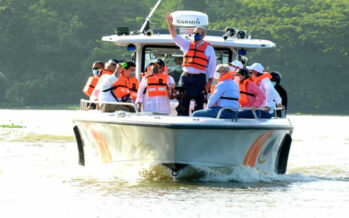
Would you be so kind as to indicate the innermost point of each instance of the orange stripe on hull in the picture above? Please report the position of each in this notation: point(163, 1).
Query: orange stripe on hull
point(258, 147)
point(250, 150)
point(103, 146)
point(252, 153)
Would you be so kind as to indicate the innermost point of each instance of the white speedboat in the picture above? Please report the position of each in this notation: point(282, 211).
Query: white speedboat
point(121, 134)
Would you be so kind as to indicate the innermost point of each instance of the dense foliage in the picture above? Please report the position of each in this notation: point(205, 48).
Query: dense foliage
point(47, 46)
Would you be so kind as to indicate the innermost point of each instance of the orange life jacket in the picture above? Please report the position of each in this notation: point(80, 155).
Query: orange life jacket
point(165, 71)
point(257, 80)
point(243, 91)
point(133, 87)
point(120, 88)
point(92, 82)
point(104, 71)
point(222, 78)
point(90, 85)
point(157, 85)
point(195, 57)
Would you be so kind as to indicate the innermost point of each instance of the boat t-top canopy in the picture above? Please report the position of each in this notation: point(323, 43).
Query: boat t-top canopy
point(162, 37)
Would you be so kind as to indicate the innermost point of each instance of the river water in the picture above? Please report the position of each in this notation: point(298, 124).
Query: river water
point(40, 177)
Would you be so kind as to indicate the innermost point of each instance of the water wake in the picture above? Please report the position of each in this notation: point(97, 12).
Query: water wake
point(160, 173)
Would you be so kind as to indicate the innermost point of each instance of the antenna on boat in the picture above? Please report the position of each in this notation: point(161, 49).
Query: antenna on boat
point(146, 25)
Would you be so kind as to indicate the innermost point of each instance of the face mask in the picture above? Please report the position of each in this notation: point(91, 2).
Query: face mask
point(155, 70)
point(197, 37)
point(274, 83)
point(216, 75)
point(132, 74)
point(96, 72)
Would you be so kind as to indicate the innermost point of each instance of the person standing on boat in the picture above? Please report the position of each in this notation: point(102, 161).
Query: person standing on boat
point(250, 95)
point(199, 62)
point(276, 81)
point(154, 90)
point(225, 94)
point(262, 80)
point(115, 87)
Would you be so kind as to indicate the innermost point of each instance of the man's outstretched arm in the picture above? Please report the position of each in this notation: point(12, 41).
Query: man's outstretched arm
point(171, 28)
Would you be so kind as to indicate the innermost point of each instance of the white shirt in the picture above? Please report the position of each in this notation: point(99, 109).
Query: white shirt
point(156, 104)
point(226, 88)
point(184, 44)
point(267, 88)
point(106, 81)
point(277, 99)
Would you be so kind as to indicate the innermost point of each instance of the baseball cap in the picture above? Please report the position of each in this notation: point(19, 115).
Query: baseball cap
point(160, 62)
point(256, 67)
point(237, 64)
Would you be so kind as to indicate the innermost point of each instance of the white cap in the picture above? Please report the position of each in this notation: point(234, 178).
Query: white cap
point(256, 67)
point(237, 64)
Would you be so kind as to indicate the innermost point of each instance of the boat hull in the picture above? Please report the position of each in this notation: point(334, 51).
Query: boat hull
point(266, 148)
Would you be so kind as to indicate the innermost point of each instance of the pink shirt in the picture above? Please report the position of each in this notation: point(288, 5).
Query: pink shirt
point(259, 98)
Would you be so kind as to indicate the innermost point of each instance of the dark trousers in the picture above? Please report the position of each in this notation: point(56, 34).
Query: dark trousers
point(260, 114)
point(213, 112)
point(194, 88)
point(248, 114)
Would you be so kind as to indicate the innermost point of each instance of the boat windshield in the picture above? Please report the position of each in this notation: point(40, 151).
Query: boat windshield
point(173, 57)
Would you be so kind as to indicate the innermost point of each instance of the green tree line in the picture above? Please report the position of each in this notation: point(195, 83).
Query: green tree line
point(47, 46)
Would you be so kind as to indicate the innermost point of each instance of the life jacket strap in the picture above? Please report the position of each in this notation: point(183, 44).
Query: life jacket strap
point(247, 93)
point(114, 87)
point(229, 98)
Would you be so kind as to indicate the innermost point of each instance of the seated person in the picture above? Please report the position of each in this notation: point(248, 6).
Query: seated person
point(104, 73)
point(225, 94)
point(262, 80)
point(89, 88)
point(154, 90)
point(116, 89)
point(234, 66)
point(276, 81)
point(250, 95)
point(97, 67)
point(92, 81)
